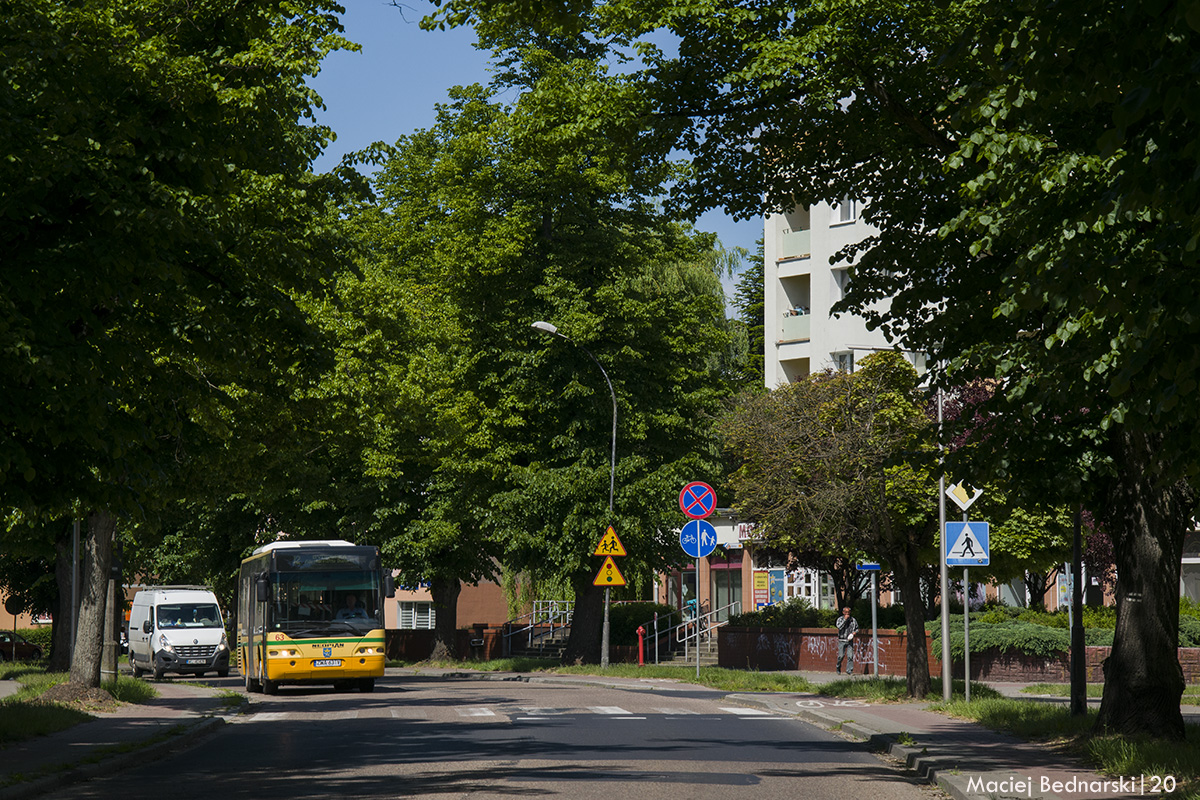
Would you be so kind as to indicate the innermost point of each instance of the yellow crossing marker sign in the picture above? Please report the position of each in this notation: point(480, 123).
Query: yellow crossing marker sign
point(610, 545)
point(609, 575)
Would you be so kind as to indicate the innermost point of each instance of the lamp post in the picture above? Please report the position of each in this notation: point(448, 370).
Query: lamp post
point(546, 327)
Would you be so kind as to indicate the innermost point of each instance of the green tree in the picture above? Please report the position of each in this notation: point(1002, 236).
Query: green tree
point(1029, 183)
point(824, 466)
point(501, 216)
point(160, 223)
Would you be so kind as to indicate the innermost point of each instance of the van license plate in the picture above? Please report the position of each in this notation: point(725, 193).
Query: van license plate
point(329, 662)
point(197, 661)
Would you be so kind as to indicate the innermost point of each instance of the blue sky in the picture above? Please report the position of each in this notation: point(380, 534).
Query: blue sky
point(390, 87)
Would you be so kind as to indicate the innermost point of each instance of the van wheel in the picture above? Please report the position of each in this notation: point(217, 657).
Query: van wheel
point(158, 673)
point(366, 685)
point(137, 671)
point(222, 673)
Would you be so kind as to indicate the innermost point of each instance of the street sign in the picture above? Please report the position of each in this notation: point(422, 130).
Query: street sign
point(698, 538)
point(697, 500)
point(967, 544)
point(963, 496)
point(610, 544)
point(609, 575)
point(867, 566)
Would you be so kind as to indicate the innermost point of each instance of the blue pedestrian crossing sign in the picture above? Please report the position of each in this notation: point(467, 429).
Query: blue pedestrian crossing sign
point(967, 544)
point(698, 538)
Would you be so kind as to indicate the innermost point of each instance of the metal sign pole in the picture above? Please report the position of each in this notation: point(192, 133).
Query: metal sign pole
point(966, 637)
point(874, 627)
point(966, 631)
point(943, 571)
point(697, 617)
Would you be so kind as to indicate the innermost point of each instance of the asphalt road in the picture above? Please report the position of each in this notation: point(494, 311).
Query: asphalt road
point(416, 737)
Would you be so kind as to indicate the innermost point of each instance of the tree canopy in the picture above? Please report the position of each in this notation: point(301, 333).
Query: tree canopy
point(160, 226)
point(1027, 170)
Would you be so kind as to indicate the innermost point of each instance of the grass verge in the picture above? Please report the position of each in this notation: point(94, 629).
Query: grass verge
point(1116, 756)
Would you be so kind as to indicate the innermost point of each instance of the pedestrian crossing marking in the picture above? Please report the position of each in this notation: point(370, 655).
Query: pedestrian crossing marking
point(748, 712)
point(610, 710)
point(676, 711)
point(475, 711)
point(409, 713)
point(269, 716)
point(341, 715)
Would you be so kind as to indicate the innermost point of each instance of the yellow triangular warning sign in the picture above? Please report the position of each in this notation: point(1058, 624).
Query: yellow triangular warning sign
point(609, 575)
point(610, 545)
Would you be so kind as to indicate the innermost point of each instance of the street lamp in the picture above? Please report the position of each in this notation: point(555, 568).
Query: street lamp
point(546, 327)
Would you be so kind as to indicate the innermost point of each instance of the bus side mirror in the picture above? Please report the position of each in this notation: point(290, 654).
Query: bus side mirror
point(389, 586)
point(262, 589)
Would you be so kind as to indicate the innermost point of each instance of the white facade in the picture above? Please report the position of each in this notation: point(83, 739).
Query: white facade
point(802, 336)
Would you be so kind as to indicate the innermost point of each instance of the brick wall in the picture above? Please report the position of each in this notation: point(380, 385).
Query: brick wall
point(410, 645)
point(812, 649)
point(815, 649)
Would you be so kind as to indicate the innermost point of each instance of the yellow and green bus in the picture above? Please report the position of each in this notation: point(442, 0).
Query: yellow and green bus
point(312, 613)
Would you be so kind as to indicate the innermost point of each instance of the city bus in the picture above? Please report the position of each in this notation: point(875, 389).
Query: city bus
point(312, 613)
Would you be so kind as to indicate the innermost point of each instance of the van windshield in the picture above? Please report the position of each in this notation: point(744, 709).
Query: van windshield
point(189, 615)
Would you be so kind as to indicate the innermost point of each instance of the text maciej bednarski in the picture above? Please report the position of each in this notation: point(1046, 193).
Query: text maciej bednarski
point(1030, 786)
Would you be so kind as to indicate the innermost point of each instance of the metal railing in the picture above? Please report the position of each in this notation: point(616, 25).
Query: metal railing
point(547, 618)
point(699, 628)
point(681, 627)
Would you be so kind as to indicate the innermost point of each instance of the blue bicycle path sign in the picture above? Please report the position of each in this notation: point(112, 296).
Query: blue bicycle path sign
point(698, 538)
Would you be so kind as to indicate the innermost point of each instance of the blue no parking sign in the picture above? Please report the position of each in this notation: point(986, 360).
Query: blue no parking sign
point(697, 500)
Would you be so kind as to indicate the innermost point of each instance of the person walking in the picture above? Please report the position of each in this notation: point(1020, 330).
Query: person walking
point(847, 626)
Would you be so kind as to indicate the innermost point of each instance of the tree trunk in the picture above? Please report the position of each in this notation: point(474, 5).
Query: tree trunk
point(916, 654)
point(587, 622)
point(60, 644)
point(96, 550)
point(445, 593)
point(1143, 681)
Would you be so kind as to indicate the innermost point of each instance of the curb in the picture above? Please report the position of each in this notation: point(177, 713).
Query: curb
point(927, 766)
point(190, 735)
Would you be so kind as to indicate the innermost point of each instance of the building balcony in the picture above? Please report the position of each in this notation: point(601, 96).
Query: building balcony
point(794, 244)
point(795, 328)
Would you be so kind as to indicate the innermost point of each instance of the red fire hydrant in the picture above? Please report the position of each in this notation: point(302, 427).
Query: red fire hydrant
point(641, 646)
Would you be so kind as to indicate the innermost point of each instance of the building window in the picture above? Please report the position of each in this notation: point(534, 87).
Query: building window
point(417, 616)
point(845, 211)
point(841, 279)
point(844, 362)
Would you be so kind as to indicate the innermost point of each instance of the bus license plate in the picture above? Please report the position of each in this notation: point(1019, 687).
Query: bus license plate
point(328, 662)
point(197, 661)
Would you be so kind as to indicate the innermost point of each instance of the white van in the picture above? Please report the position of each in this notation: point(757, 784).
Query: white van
point(177, 629)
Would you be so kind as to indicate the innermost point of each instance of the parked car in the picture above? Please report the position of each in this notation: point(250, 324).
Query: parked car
point(21, 650)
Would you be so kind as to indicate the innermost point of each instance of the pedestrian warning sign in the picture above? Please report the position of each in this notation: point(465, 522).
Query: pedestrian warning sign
point(610, 545)
point(967, 544)
point(609, 575)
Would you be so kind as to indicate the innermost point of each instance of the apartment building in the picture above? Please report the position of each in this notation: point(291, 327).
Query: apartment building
point(802, 335)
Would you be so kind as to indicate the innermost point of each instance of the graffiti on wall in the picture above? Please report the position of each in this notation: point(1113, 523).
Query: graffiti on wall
point(782, 646)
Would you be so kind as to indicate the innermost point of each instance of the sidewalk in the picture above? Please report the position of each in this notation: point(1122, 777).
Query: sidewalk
point(177, 718)
point(967, 760)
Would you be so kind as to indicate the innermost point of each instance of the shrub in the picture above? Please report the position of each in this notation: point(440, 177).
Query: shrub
point(41, 636)
point(624, 618)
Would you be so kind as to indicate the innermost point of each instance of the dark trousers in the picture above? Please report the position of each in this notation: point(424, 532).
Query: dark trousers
point(846, 651)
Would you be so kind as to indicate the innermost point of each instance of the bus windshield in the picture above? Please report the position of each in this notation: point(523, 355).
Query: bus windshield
point(314, 603)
